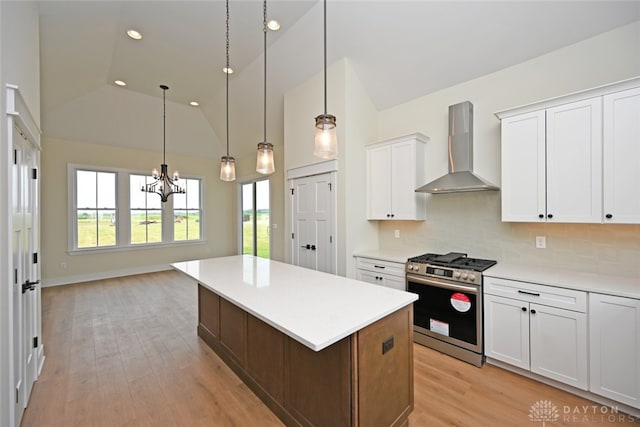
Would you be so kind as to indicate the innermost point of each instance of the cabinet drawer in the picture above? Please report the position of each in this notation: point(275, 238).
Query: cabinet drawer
point(378, 266)
point(539, 294)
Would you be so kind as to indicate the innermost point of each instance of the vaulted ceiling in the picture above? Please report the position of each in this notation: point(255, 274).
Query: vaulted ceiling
point(399, 49)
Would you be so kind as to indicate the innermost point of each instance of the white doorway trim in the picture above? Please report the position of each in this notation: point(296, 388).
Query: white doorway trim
point(325, 167)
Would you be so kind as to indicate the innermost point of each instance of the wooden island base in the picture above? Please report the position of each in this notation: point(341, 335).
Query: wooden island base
point(365, 379)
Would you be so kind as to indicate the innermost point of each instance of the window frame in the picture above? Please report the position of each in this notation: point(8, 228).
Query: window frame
point(123, 235)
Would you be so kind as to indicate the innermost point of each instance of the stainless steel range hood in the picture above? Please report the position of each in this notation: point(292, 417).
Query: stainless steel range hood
point(460, 177)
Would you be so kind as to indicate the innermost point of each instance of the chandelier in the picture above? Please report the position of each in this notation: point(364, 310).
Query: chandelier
point(164, 186)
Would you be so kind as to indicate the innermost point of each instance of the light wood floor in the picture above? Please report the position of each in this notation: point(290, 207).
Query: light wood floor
point(124, 352)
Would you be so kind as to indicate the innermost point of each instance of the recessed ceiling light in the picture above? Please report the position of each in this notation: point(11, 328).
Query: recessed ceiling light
point(227, 70)
point(120, 83)
point(194, 103)
point(273, 25)
point(134, 34)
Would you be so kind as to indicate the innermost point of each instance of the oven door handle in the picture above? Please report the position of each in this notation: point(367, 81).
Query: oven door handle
point(438, 283)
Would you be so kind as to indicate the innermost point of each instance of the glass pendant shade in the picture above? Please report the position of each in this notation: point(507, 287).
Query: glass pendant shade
point(326, 140)
point(264, 163)
point(228, 168)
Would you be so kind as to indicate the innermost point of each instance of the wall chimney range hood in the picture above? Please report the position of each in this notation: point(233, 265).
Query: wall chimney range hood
point(460, 177)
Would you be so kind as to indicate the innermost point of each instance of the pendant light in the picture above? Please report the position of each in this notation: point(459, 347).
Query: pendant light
point(325, 141)
point(228, 163)
point(163, 185)
point(264, 162)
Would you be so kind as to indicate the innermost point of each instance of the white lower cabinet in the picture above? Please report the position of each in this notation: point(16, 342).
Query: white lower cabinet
point(614, 350)
point(548, 339)
point(379, 272)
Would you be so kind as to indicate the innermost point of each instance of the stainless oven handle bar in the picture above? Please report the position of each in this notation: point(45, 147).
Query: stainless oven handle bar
point(438, 283)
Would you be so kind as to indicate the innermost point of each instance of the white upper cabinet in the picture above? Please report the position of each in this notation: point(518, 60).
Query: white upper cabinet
point(622, 157)
point(395, 168)
point(574, 159)
point(524, 177)
point(574, 162)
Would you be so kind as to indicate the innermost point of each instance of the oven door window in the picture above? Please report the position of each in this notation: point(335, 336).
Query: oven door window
point(446, 312)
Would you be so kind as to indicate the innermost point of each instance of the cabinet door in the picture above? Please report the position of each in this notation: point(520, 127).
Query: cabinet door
point(404, 199)
point(621, 148)
point(506, 330)
point(614, 348)
point(574, 162)
point(523, 168)
point(394, 282)
point(379, 183)
point(369, 277)
point(559, 344)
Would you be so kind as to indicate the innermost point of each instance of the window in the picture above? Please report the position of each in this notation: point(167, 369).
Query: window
point(256, 218)
point(111, 211)
point(186, 211)
point(145, 212)
point(96, 209)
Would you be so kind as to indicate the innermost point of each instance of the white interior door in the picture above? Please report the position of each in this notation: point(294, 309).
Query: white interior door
point(26, 273)
point(18, 175)
point(313, 204)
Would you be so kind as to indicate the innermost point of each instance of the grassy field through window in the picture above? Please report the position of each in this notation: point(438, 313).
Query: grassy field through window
point(262, 237)
point(143, 229)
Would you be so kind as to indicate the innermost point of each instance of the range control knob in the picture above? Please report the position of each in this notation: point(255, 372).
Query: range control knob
point(464, 275)
point(472, 277)
point(456, 274)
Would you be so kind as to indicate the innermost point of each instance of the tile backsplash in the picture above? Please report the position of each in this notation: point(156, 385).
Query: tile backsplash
point(470, 223)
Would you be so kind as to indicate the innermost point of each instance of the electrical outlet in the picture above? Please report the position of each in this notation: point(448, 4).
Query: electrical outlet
point(63, 266)
point(541, 242)
point(396, 234)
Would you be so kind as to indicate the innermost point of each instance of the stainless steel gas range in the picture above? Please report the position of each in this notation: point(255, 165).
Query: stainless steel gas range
point(448, 313)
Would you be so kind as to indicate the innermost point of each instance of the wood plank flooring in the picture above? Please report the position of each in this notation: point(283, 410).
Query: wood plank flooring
point(124, 352)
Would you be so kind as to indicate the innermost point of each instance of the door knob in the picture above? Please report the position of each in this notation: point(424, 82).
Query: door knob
point(29, 286)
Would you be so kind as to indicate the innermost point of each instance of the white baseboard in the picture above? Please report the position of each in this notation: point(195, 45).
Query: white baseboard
point(67, 280)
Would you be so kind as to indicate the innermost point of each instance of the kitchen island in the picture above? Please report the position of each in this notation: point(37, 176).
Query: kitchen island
point(317, 349)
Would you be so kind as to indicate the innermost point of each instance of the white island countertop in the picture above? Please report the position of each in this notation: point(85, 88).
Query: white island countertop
point(314, 308)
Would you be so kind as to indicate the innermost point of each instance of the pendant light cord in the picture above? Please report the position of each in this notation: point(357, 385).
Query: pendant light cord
point(164, 126)
point(227, 78)
point(325, 57)
point(264, 30)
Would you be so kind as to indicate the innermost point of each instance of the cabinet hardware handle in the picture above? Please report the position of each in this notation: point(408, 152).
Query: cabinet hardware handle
point(313, 247)
point(378, 266)
point(540, 216)
point(550, 216)
point(388, 215)
point(528, 293)
point(524, 308)
point(533, 312)
point(392, 215)
point(609, 216)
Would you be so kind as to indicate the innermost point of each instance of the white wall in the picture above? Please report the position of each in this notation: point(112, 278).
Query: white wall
point(19, 65)
point(356, 126)
point(470, 222)
point(218, 222)
point(467, 222)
